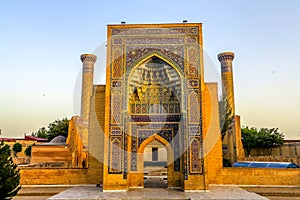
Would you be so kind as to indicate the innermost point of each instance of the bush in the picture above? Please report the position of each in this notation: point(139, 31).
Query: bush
point(226, 162)
point(17, 147)
point(28, 151)
point(9, 174)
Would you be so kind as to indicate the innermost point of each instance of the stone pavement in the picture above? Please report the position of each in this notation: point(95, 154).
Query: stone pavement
point(215, 192)
point(155, 182)
point(275, 192)
point(43, 192)
point(37, 192)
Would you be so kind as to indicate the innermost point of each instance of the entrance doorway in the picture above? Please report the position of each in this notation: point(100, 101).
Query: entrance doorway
point(155, 165)
point(158, 173)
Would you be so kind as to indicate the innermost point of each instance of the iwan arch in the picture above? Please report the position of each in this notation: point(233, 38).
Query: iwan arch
point(155, 91)
point(154, 108)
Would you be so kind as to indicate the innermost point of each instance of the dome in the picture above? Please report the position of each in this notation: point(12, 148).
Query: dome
point(58, 140)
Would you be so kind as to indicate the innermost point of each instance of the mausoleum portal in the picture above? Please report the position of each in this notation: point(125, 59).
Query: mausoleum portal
point(153, 92)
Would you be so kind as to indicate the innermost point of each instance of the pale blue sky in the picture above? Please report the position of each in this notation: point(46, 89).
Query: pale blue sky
point(41, 42)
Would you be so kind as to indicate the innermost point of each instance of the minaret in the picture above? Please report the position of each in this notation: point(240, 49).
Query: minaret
point(226, 59)
point(88, 61)
point(229, 141)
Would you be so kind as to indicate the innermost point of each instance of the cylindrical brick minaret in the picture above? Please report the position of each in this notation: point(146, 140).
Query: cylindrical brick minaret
point(226, 59)
point(88, 61)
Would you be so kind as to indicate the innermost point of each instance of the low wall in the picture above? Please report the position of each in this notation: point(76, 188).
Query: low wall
point(290, 148)
point(230, 175)
point(259, 176)
point(57, 176)
point(49, 153)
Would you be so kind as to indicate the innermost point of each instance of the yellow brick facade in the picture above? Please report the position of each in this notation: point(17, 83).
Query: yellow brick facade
point(91, 139)
point(96, 132)
point(231, 176)
point(46, 153)
point(259, 176)
point(212, 138)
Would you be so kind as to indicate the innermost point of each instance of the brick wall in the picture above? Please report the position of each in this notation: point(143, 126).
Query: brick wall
point(290, 148)
point(47, 153)
point(259, 176)
point(212, 137)
point(96, 132)
point(37, 176)
point(235, 176)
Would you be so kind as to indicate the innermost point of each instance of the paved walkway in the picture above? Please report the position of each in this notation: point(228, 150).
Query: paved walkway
point(276, 192)
point(36, 192)
point(215, 192)
point(154, 182)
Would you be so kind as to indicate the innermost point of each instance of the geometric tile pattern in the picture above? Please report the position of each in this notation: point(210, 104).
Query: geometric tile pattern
point(181, 127)
point(195, 156)
point(115, 157)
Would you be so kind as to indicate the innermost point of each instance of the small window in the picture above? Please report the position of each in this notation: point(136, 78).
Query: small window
point(154, 154)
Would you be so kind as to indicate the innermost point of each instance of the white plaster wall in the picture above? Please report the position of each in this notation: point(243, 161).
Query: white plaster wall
point(162, 152)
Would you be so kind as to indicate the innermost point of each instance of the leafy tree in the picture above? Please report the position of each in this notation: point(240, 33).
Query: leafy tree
point(271, 138)
point(226, 116)
point(17, 147)
point(56, 128)
point(28, 151)
point(249, 138)
point(9, 174)
point(41, 133)
point(262, 138)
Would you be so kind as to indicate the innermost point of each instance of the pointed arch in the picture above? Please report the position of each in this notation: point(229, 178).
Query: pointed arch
point(164, 142)
point(150, 55)
point(169, 75)
point(159, 139)
point(170, 156)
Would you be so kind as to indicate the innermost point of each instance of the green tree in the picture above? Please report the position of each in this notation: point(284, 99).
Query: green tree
point(41, 133)
point(271, 138)
point(9, 174)
point(249, 138)
point(17, 147)
point(226, 116)
point(28, 151)
point(261, 138)
point(56, 128)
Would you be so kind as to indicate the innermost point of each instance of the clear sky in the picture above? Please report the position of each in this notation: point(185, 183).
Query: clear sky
point(41, 42)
